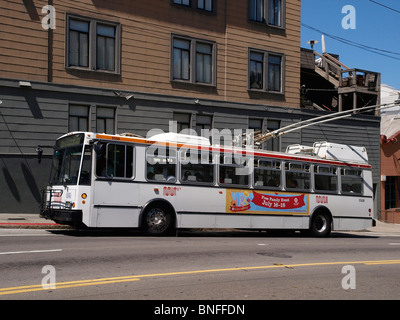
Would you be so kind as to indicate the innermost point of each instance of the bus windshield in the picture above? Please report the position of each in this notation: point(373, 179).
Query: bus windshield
point(67, 159)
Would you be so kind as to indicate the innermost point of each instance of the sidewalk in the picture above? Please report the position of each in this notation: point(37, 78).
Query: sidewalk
point(25, 220)
point(32, 220)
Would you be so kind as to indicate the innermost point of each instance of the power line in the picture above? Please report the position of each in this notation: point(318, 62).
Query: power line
point(385, 6)
point(381, 52)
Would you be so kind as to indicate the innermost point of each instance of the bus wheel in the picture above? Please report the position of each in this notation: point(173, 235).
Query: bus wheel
point(321, 225)
point(157, 221)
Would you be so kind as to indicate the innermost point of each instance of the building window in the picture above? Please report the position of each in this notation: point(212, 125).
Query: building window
point(78, 53)
point(206, 5)
point(105, 47)
point(193, 61)
point(256, 70)
point(273, 144)
point(266, 71)
point(182, 121)
point(257, 10)
point(390, 192)
point(274, 72)
point(204, 62)
point(203, 122)
point(78, 119)
point(183, 2)
point(105, 120)
point(181, 59)
point(270, 12)
point(275, 13)
point(93, 45)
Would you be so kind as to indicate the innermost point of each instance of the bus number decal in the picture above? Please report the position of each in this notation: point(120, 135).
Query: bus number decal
point(322, 199)
point(171, 191)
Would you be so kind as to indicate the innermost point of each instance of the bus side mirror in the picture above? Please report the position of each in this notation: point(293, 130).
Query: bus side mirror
point(99, 149)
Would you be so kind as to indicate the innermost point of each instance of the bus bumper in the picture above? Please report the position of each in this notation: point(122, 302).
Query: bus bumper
point(63, 216)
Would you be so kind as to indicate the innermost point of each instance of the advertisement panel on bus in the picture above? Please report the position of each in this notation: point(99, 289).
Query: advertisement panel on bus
point(266, 202)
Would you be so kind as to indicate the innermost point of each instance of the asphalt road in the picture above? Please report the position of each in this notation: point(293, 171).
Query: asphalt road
point(197, 266)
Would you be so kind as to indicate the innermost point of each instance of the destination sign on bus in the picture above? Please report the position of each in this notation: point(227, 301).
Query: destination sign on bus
point(69, 141)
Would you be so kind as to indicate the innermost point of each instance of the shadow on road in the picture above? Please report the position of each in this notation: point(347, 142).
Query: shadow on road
point(204, 233)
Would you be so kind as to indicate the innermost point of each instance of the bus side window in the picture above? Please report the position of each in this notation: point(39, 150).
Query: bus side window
point(114, 160)
point(325, 178)
point(161, 164)
point(231, 173)
point(101, 160)
point(197, 168)
point(297, 176)
point(267, 174)
point(86, 167)
point(352, 181)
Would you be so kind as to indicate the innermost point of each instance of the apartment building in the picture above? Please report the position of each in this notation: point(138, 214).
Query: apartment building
point(132, 66)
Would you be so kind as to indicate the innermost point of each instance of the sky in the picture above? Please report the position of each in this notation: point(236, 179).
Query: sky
point(376, 25)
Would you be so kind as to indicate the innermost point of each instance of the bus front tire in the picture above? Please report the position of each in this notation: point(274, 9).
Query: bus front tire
point(321, 224)
point(158, 220)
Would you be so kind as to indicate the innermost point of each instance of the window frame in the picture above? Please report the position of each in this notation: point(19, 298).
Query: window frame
point(390, 190)
point(106, 152)
point(276, 166)
point(264, 14)
point(204, 6)
point(171, 161)
point(186, 165)
point(180, 3)
point(202, 125)
point(92, 44)
point(273, 144)
point(79, 117)
point(193, 61)
point(114, 119)
point(232, 165)
point(287, 167)
point(332, 173)
point(265, 71)
point(181, 124)
point(194, 5)
point(359, 177)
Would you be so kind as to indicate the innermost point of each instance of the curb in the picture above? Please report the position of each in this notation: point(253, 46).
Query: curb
point(12, 225)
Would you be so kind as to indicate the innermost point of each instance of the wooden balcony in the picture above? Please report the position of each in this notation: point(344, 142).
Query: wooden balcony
point(356, 87)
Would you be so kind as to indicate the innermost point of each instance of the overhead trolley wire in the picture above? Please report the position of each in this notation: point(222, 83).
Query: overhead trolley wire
point(386, 53)
point(385, 6)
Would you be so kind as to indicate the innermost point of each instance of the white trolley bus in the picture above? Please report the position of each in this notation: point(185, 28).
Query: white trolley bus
point(160, 184)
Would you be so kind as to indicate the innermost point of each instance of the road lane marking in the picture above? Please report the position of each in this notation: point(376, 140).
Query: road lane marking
point(31, 251)
point(90, 282)
point(383, 262)
point(61, 285)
